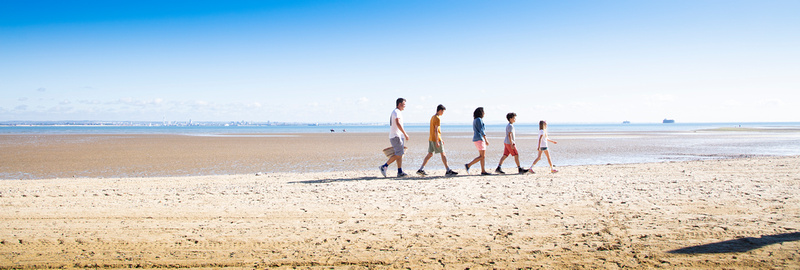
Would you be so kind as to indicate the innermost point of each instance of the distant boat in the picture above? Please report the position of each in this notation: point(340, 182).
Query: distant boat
point(626, 122)
point(668, 121)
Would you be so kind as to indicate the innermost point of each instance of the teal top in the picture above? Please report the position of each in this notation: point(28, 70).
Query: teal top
point(479, 129)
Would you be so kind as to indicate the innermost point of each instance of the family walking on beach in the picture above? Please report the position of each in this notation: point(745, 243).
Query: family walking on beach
point(398, 137)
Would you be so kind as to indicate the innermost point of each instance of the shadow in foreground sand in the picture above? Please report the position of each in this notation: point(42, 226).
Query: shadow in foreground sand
point(368, 178)
point(739, 245)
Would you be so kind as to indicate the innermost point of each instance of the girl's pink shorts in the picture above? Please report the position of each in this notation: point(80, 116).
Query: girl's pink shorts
point(481, 145)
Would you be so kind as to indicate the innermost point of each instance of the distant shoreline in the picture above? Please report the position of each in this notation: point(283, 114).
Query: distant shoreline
point(222, 128)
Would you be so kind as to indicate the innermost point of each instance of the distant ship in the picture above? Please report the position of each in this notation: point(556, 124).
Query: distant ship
point(668, 121)
point(626, 122)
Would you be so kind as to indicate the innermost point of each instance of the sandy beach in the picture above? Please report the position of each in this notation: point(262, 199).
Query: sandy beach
point(318, 201)
point(734, 213)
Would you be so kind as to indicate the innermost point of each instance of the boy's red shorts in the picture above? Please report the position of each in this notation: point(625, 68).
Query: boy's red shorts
point(510, 150)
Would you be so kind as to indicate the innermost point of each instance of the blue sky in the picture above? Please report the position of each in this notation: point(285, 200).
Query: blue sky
point(347, 61)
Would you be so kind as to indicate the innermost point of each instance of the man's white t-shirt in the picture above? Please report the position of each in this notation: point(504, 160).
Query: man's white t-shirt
point(394, 131)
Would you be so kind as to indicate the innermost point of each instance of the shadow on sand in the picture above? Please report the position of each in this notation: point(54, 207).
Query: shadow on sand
point(368, 178)
point(739, 245)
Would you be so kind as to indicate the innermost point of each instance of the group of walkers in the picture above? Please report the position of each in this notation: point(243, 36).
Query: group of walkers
point(398, 137)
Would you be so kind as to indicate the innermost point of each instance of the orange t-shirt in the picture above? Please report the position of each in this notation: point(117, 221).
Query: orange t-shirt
point(435, 128)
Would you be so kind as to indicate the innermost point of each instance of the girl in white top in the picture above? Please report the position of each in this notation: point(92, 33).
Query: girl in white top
point(543, 139)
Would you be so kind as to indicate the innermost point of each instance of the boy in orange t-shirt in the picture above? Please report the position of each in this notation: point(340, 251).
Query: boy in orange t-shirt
point(435, 142)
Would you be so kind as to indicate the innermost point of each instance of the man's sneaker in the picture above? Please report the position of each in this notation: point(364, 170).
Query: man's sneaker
point(522, 171)
point(450, 173)
point(402, 174)
point(486, 173)
point(421, 173)
point(500, 171)
point(383, 169)
point(467, 166)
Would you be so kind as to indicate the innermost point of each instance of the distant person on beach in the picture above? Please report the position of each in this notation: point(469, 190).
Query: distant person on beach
point(435, 143)
point(479, 139)
point(543, 139)
point(510, 144)
point(397, 137)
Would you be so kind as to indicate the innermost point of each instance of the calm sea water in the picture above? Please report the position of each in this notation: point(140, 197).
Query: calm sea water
point(521, 128)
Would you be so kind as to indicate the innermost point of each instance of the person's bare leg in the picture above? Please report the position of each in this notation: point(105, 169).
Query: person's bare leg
point(547, 153)
point(400, 162)
point(483, 161)
point(391, 159)
point(503, 158)
point(425, 161)
point(537, 159)
point(444, 161)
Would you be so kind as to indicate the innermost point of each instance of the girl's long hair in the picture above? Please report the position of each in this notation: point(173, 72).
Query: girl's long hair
point(478, 113)
point(542, 125)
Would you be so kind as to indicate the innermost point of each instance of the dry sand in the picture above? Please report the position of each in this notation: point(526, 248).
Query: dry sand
point(733, 213)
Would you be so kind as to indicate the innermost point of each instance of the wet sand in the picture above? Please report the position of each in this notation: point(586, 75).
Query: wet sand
point(80, 156)
point(734, 213)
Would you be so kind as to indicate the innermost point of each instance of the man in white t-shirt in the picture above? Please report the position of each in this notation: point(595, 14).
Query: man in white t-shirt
point(398, 138)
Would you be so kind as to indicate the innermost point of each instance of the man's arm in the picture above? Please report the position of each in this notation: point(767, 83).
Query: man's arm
point(399, 126)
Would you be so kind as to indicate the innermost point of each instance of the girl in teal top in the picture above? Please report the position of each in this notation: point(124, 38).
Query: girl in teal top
point(479, 138)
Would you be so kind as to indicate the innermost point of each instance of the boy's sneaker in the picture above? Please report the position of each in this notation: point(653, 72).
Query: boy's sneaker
point(450, 173)
point(402, 174)
point(421, 173)
point(522, 171)
point(383, 169)
point(500, 171)
point(486, 173)
point(467, 166)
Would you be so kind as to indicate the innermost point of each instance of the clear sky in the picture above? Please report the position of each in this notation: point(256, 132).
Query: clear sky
point(347, 61)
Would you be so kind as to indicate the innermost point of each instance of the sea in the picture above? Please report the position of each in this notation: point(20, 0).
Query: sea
point(366, 128)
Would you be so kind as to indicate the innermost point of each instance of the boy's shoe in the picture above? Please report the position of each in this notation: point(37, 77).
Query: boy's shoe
point(421, 173)
point(500, 171)
point(467, 166)
point(486, 173)
point(383, 169)
point(402, 174)
point(531, 171)
point(522, 171)
point(450, 173)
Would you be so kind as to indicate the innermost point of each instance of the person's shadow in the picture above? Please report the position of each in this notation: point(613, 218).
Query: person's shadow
point(368, 178)
point(739, 245)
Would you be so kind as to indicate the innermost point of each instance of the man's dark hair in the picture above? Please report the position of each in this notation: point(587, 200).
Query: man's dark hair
point(478, 113)
point(510, 115)
point(440, 108)
point(399, 100)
